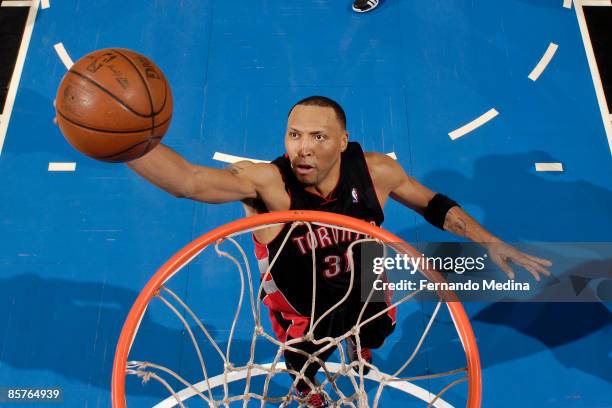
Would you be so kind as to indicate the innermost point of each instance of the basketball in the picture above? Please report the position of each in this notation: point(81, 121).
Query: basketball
point(114, 105)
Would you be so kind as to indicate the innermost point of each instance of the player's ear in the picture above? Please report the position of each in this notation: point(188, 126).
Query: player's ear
point(344, 141)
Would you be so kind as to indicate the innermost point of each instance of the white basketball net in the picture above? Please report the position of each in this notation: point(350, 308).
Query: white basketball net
point(353, 371)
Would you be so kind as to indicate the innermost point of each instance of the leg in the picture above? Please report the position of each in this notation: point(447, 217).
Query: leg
point(374, 333)
point(297, 361)
point(287, 327)
point(371, 335)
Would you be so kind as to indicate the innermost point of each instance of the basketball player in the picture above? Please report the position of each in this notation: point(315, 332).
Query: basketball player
point(323, 171)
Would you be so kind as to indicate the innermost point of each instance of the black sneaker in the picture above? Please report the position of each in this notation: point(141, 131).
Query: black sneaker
point(366, 355)
point(363, 6)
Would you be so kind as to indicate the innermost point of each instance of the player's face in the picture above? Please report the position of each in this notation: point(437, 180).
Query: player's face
point(314, 141)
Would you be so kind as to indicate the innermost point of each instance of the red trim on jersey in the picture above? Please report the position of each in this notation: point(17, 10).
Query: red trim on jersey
point(277, 300)
point(264, 247)
point(261, 250)
point(392, 313)
point(279, 330)
point(296, 329)
point(299, 325)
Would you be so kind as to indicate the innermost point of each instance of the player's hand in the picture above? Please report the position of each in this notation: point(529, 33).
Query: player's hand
point(503, 254)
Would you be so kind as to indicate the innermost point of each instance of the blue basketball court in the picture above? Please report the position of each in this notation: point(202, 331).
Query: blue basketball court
point(533, 165)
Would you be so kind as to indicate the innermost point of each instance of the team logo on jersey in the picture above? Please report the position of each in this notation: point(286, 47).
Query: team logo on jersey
point(354, 195)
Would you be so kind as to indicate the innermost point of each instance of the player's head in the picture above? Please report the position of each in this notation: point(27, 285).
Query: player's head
point(316, 136)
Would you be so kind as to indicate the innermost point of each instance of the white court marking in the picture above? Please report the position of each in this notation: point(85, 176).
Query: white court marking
point(544, 61)
point(228, 158)
point(216, 381)
point(53, 166)
point(63, 55)
point(597, 3)
point(14, 84)
point(45, 4)
point(16, 3)
point(549, 166)
point(567, 4)
point(588, 47)
point(475, 124)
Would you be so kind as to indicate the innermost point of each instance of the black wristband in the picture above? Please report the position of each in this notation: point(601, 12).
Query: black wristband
point(436, 210)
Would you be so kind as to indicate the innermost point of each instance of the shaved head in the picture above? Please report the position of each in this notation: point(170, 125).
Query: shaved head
point(324, 102)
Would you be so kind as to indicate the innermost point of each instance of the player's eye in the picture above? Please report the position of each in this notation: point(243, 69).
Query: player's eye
point(320, 137)
point(293, 135)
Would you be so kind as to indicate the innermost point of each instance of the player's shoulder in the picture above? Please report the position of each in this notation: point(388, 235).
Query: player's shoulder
point(383, 168)
point(380, 162)
point(258, 173)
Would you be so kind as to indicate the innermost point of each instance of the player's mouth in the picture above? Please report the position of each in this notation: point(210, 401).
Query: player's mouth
point(304, 169)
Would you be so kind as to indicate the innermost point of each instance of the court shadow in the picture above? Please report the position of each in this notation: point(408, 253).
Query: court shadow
point(521, 205)
point(71, 328)
point(440, 352)
point(578, 334)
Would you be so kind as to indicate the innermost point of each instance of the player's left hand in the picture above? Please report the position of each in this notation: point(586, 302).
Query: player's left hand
point(503, 254)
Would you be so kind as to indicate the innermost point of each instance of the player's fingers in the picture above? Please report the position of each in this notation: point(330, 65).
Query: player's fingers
point(522, 260)
point(533, 271)
point(506, 268)
point(533, 267)
point(541, 261)
point(541, 269)
point(527, 262)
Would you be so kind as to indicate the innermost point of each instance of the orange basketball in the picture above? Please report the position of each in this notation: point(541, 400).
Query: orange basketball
point(114, 105)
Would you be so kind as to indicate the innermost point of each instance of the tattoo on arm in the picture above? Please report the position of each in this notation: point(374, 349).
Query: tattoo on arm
point(455, 222)
point(235, 169)
point(461, 223)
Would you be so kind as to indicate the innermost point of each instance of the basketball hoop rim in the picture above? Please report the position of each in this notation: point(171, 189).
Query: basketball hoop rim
point(177, 261)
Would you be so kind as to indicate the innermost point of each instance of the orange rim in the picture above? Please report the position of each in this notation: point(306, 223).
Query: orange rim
point(167, 270)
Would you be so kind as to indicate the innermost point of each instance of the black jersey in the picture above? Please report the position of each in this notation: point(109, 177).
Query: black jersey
point(289, 286)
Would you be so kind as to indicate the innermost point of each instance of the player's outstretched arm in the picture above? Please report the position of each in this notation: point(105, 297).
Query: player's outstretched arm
point(171, 172)
point(390, 178)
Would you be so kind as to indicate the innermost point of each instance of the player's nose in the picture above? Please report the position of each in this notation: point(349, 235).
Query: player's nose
point(305, 148)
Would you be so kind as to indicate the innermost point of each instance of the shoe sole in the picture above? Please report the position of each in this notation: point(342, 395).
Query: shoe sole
point(363, 11)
